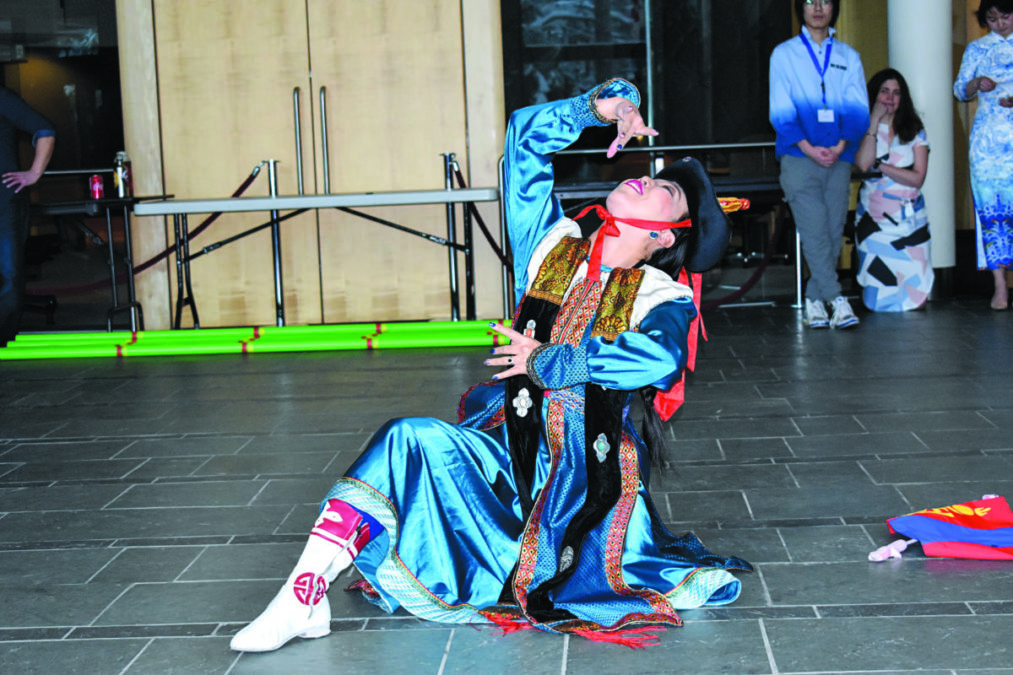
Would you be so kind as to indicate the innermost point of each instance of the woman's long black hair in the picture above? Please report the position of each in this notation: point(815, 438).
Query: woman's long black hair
point(906, 122)
point(669, 260)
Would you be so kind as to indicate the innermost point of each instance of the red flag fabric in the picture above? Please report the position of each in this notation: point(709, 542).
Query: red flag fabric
point(980, 529)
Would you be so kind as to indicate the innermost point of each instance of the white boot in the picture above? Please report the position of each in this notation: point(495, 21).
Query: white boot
point(301, 609)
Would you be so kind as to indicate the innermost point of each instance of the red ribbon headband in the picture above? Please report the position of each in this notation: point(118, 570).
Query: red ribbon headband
point(609, 229)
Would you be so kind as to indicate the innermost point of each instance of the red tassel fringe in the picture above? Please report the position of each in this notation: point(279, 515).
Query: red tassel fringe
point(509, 624)
point(634, 638)
point(364, 586)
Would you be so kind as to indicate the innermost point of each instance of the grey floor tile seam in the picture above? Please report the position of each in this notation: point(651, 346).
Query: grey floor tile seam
point(981, 608)
point(899, 609)
point(259, 492)
point(767, 647)
point(214, 478)
point(446, 652)
point(749, 507)
point(281, 523)
point(108, 506)
point(179, 577)
point(791, 474)
point(780, 522)
point(56, 545)
point(34, 634)
point(79, 482)
point(144, 631)
point(139, 654)
point(106, 565)
point(122, 594)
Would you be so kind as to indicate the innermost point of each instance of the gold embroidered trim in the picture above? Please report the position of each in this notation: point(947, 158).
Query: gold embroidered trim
point(558, 268)
point(616, 305)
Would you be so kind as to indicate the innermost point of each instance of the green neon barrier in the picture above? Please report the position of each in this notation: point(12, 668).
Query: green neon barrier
point(350, 343)
point(420, 341)
point(360, 336)
point(68, 339)
point(139, 349)
point(85, 351)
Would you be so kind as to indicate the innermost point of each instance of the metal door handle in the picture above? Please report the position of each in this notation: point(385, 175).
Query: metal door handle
point(325, 155)
point(298, 139)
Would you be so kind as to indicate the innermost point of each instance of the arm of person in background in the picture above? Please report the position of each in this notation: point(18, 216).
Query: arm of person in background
point(784, 114)
point(854, 113)
point(44, 145)
point(968, 83)
point(783, 110)
point(866, 155)
point(913, 176)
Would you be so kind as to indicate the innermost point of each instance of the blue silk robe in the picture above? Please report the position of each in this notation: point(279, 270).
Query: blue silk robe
point(446, 494)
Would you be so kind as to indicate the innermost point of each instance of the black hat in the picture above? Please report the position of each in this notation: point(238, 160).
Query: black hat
point(709, 220)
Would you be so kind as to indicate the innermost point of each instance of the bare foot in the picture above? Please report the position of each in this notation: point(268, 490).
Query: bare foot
point(1000, 300)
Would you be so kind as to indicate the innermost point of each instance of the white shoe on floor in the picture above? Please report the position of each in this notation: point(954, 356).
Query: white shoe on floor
point(843, 316)
point(816, 314)
point(300, 609)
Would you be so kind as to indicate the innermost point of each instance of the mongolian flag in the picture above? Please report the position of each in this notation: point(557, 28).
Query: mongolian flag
point(982, 529)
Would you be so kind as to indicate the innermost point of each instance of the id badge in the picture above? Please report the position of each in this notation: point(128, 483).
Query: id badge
point(825, 115)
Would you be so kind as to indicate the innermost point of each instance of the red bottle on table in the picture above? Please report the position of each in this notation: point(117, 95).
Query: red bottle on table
point(96, 187)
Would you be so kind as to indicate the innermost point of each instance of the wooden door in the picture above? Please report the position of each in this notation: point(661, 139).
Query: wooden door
point(394, 78)
point(226, 71)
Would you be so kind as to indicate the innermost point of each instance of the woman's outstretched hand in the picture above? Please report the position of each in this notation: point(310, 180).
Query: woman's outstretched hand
point(514, 356)
point(629, 123)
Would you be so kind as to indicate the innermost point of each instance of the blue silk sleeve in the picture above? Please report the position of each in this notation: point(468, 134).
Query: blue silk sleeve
point(653, 356)
point(533, 135)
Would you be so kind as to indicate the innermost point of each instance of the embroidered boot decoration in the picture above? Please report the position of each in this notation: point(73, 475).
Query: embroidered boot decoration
point(309, 588)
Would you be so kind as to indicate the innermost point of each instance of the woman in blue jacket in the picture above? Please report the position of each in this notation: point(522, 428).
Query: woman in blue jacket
point(533, 510)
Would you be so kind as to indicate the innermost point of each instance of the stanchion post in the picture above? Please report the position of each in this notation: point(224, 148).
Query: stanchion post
point(455, 301)
point(279, 297)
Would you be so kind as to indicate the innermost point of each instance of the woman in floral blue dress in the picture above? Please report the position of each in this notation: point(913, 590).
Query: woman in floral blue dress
point(986, 71)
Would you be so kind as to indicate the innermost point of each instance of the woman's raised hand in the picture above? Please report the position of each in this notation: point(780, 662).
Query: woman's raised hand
point(629, 123)
point(879, 113)
point(514, 356)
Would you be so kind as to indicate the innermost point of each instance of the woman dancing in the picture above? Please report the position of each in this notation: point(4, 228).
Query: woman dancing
point(533, 511)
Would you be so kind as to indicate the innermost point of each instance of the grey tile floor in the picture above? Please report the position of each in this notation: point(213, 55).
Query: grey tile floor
point(149, 508)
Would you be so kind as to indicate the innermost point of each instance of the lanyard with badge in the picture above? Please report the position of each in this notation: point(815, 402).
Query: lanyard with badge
point(825, 114)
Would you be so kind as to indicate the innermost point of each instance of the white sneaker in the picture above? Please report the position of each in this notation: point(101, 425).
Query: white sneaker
point(843, 316)
point(816, 314)
point(300, 609)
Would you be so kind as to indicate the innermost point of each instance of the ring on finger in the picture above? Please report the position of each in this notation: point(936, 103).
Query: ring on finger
point(510, 360)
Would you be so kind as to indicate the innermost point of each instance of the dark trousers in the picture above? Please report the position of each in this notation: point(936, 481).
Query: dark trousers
point(13, 235)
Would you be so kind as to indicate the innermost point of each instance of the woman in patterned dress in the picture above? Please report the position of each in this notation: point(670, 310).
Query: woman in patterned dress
point(891, 226)
point(533, 510)
point(986, 71)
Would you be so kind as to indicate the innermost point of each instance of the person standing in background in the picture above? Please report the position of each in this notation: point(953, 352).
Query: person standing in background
point(820, 111)
point(17, 116)
point(986, 71)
